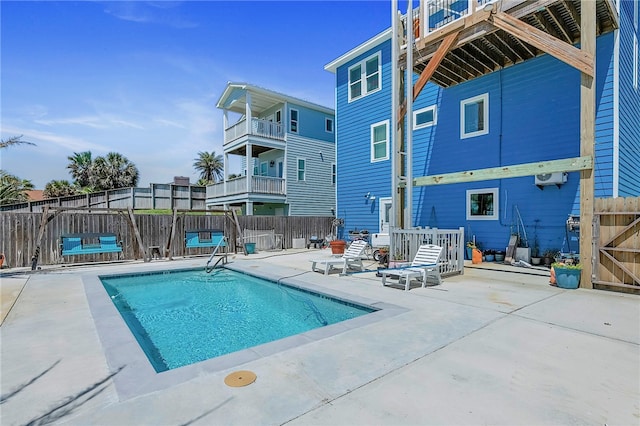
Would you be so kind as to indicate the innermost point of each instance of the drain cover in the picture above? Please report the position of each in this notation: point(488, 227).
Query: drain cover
point(240, 378)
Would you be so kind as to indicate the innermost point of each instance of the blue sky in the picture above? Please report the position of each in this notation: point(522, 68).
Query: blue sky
point(142, 78)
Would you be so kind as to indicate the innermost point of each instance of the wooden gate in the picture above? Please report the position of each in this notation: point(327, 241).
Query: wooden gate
point(617, 240)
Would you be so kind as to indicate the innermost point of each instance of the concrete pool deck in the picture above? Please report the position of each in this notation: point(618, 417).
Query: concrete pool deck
point(486, 347)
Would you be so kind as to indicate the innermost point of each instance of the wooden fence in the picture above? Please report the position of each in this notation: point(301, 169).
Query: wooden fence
point(617, 244)
point(405, 243)
point(19, 232)
point(157, 196)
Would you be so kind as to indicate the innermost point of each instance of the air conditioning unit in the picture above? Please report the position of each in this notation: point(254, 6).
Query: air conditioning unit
point(551, 178)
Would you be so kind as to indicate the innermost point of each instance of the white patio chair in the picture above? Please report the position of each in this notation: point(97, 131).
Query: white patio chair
point(424, 264)
point(352, 258)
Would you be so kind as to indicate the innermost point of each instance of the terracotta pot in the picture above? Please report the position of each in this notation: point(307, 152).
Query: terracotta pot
point(338, 246)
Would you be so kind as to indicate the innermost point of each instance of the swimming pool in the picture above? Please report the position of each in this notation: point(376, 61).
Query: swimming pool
point(183, 317)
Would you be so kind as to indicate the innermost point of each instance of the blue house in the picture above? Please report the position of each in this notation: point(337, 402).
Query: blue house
point(492, 100)
point(289, 145)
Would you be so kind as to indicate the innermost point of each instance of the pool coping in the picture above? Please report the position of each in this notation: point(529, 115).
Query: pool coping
point(136, 375)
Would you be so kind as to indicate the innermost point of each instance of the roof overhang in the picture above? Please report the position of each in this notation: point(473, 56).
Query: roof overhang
point(234, 99)
point(354, 53)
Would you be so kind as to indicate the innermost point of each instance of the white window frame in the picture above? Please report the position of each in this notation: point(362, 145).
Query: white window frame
point(417, 126)
point(303, 170)
point(264, 168)
point(296, 121)
point(363, 77)
point(387, 141)
point(485, 99)
point(496, 204)
point(278, 116)
point(328, 123)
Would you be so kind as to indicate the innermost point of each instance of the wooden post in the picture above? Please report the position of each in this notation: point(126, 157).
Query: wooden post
point(172, 234)
point(137, 233)
point(587, 141)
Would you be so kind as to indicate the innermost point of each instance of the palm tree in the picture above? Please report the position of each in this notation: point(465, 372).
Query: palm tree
point(210, 166)
point(113, 171)
point(15, 140)
point(13, 189)
point(80, 165)
point(59, 188)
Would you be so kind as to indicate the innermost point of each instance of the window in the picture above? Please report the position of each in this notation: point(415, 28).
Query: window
point(380, 141)
point(364, 77)
point(333, 173)
point(278, 116)
point(424, 117)
point(264, 169)
point(301, 168)
point(482, 204)
point(328, 125)
point(293, 121)
point(474, 116)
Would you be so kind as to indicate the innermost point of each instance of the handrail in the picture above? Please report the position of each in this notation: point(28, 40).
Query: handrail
point(215, 250)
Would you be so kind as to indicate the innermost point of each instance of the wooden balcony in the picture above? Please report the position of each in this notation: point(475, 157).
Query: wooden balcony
point(261, 128)
point(260, 185)
point(459, 40)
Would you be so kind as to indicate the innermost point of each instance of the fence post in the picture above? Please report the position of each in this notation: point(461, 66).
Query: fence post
point(461, 249)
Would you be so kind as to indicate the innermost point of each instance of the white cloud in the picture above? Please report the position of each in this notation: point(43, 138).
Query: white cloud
point(149, 13)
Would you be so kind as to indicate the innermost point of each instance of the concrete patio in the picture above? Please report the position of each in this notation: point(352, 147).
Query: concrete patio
point(486, 347)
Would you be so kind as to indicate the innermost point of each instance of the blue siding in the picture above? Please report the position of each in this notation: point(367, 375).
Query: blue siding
point(534, 113)
point(629, 121)
point(356, 174)
point(311, 123)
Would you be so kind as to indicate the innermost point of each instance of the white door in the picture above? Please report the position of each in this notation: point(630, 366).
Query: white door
point(385, 214)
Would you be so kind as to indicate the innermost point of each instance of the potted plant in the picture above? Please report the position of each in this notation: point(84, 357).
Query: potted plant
point(489, 255)
point(471, 245)
point(549, 256)
point(566, 275)
point(500, 255)
point(337, 245)
point(398, 260)
point(535, 252)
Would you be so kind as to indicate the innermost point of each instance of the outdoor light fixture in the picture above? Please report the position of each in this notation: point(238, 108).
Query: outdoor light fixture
point(367, 195)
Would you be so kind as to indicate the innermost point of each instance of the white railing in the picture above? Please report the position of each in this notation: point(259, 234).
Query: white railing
point(267, 185)
point(263, 128)
point(234, 132)
point(438, 13)
point(405, 243)
point(267, 129)
point(259, 184)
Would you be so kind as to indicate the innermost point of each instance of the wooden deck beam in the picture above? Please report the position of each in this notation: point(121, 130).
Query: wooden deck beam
point(579, 59)
point(518, 170)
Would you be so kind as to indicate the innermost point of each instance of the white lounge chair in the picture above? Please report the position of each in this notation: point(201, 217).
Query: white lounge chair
point(352, 258)
point(424, 264)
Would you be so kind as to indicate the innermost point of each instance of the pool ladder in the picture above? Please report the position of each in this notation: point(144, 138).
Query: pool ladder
point(208, 268)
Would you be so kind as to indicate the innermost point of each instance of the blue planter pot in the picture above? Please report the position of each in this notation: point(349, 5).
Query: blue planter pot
point(489, 257)
point(469, 253)
point(567, 278)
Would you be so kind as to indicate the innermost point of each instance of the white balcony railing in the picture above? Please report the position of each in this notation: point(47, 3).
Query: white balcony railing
point(263, 128)
point(259, 185)
point(438, 13)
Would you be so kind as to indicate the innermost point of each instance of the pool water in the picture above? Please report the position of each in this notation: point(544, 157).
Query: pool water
point(183, 317)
